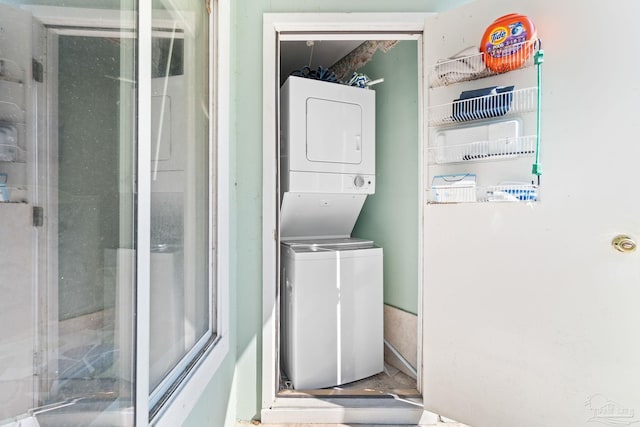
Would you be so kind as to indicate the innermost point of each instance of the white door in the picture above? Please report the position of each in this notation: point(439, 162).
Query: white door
point(530, 315)
point(17, 304)
point(17, 328)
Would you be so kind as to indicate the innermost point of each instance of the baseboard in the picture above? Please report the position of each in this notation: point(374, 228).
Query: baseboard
point(401, 331)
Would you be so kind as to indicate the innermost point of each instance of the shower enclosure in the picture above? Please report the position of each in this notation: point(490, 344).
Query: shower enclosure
point(70, 210)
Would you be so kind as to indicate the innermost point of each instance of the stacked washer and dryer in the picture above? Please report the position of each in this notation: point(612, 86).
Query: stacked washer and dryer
point(331, 283)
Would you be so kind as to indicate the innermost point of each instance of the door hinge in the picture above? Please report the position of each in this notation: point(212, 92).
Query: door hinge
point(38, 216)
point(37, 70)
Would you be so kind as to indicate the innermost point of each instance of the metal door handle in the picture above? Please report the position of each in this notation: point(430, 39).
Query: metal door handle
point(624, 243)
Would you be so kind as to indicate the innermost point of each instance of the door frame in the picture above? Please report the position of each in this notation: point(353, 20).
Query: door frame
point(56, 20)
point(326, 26)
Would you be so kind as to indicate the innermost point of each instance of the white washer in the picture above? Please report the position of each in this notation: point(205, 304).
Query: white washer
point(332, 311)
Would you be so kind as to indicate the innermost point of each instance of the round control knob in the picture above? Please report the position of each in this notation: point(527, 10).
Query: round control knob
point(358, 181)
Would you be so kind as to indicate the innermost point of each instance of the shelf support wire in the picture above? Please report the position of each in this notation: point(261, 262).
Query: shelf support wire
point(538, 60)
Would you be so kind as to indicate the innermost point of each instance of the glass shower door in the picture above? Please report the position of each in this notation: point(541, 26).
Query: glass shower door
point(67, 206)
point(107, 271)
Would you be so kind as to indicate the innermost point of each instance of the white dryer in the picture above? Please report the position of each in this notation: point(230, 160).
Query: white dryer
point(327, 157)
point(327, 137)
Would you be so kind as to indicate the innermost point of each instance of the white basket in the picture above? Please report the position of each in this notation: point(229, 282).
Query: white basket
point(506, 148)
point(473, 67)
point(455, 188)
point(503, 193)
point(484, 107)
point(515, 192)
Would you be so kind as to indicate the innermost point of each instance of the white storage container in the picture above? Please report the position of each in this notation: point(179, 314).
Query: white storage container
point(454, 188)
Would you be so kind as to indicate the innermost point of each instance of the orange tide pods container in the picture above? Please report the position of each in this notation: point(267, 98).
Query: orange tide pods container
point(508, 42)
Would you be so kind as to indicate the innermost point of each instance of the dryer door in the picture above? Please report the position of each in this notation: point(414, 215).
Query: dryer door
point(334, 131)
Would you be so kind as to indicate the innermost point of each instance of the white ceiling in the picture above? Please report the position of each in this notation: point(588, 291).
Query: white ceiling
point(296, 54)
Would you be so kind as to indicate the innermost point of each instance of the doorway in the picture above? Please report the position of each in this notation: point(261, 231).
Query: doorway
point(389, 217)
point(403, 264)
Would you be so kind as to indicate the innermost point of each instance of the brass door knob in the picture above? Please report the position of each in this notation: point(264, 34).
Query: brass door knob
point(624, 244)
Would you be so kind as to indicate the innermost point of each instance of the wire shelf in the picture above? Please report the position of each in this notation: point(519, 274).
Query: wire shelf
point(452, 195)
point(484, 107)
point(10, 71)
point(516, 192)
point(472, 67)
point(513, 193)
point(12, 92)
point(11, 112)
point(505, 148)
point(12, 153)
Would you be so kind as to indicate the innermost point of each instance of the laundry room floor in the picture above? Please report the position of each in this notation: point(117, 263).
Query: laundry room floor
point(390, 381)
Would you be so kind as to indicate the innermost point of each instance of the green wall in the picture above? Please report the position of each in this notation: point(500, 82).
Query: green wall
point(247, 149)
point(216, 406)
point(390, 216)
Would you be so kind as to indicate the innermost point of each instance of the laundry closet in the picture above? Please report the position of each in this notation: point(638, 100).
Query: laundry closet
point(335, 179)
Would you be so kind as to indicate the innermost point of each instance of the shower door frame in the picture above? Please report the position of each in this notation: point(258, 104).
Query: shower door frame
point(47, 176)
point(61, 20)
